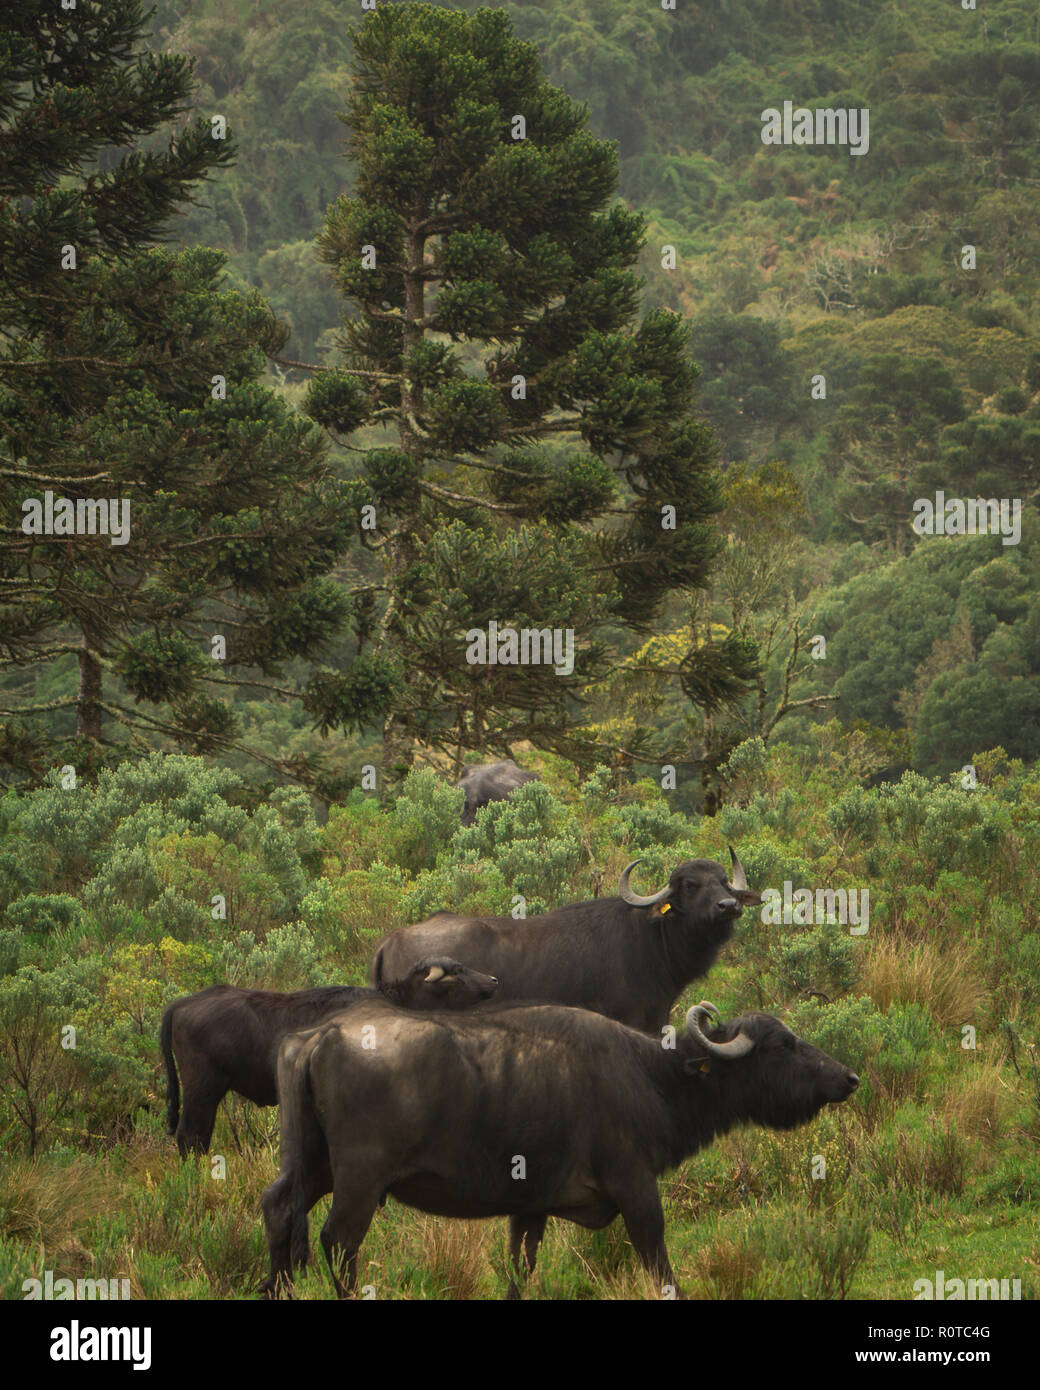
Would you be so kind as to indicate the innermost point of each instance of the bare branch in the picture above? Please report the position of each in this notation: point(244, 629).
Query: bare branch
point(48, 363)
point(433, 490)
point(351, 371)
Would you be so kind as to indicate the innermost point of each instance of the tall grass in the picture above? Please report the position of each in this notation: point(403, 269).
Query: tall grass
point(942, 977)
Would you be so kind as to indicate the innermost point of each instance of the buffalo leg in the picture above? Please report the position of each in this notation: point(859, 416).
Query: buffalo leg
point(276, 1205)
point(198, 1118)
point(353, 1206)
point(285, 1220)
point(525, 1233)
point(644, 1221)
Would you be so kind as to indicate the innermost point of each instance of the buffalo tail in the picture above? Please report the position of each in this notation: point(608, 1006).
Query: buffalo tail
point(301, 1109)
point(173, 1086)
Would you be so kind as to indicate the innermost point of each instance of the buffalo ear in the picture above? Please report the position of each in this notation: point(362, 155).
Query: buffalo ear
point(661, 909)
point(748, 898)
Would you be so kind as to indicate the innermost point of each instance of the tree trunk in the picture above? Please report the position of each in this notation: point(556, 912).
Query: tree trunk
point(88, 697)
point(398, 751)
point(397, 743)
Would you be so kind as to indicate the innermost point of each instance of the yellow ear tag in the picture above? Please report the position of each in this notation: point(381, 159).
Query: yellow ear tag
point(665, 907)
point(705, 1066)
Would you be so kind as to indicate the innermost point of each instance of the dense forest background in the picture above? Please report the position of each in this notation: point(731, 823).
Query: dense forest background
point(789, 262)
point(852, 705)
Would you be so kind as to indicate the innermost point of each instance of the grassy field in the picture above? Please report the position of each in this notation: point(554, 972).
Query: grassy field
point(904, 1198)
point(933, 1164)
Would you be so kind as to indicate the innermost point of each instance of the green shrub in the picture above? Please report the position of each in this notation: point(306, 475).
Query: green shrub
point(470, 886)
point(909, 1032)
point(599, 790)
point(531, 843)
point(287, 959)
point(44, 912)
point(855, 815)
point(744, 770)
point(825, 1248)
point(424, 818)
point(349, 915)
point(38, 1076)
point(850, 1030)
point(357, 832)
point(156, 840)
point(821, 958)
point(11, 948)
point(769, 864)
point(938, 826)
point(918, 1153)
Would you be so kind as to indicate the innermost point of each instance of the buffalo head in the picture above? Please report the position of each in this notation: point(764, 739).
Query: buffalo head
point(698, 892)
point(438, 982)
point(775, 1077)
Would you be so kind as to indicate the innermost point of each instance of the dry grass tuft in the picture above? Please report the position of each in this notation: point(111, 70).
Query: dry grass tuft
point(945, 979)
point(47, 1204)
point(452, 1255)
point(732, 1268)
point(977, 1106)
point(630, 1285)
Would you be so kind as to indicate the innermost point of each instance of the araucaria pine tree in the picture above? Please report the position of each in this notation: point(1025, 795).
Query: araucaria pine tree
point(543, 467)
point(167, 521)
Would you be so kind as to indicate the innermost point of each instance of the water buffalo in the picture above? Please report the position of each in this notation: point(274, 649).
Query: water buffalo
point(628, 957)
point(520, 1111)
point(485, 782)
point(226, 1039)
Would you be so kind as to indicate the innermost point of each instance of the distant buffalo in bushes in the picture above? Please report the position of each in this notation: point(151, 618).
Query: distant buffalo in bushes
point(226, 1039)
point(487, 782)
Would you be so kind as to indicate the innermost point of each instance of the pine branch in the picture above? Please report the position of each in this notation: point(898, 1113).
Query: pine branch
point(399, 316)
point(59, 650)
point(6, 364)
point(66, 480)
point(548, 427)
point(433, 490)
point(215, 540)
point(352, 371)
point(71, 703)
point(497, 468)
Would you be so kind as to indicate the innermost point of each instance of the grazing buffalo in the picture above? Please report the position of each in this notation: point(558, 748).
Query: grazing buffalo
point(628, 957)
point(484, 782)
point(520, 1111)
point(226, 1039)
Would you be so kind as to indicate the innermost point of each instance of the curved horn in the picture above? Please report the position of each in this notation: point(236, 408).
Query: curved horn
point(738, 878)
point(633, 899)
point(436, 973)
point(739, 1046)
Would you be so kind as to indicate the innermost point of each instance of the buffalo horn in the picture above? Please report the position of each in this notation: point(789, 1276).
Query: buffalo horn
point(436, 971)
point(739, 1046)
point(739, 877)
point(633, 899)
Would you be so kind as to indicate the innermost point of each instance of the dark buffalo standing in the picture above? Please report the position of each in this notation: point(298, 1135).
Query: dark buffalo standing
point(485, 782)
point(627, 957)
point(226, 1039)
point(524, 1111)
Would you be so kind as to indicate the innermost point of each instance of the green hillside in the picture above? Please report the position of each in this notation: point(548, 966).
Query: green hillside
point(790, 262)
